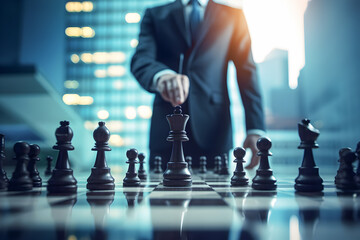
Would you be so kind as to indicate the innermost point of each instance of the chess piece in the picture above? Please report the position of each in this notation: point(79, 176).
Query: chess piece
point(141, 171)
point(345, 177)
point(264, 179)
point(131, 179)
point(62, 179)
point(308, 179)
point(158, 163)
point(217, 164)
point(20, 180)
point(224, 168)
point(34, 157)
point(48, 170)
point(202, 164)
point(357, 175)
point(100, 178)
point(188, 159)
point(4, 181)
point(239, 178)
point(177, 173)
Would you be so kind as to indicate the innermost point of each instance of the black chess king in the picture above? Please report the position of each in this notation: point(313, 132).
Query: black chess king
point(177, 173)
point(308, 179)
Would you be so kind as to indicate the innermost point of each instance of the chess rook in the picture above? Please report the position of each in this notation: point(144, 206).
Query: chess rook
point(131, 179)
point(239, 178)
point(202, 163)
point(62, 179)
point(177, 173)
point(4, 181)
point(48, 167)
point(308, 179)
point(20, 180)
point(100, 178)
point(141, 171)
point(157, 165)
point(34, 157)
point(264, 179)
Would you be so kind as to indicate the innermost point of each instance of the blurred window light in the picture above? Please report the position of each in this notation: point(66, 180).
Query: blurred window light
point(100, 73)
point(87, 6)
point(100, 57)
point(116, 71)
point(130, 113)
point(118, 84)
point(87, 32)
point(71, 99)
point(117, 57)
point(134, 42)
point(74, 6)
point(71, 84)
point(73, 31)
point(103, 114)
point(132, 17)
point(74, 58)
point(86, 57)
point(85, 100)
point(89, 125)
point(144, 112)
point(116, 140)
point(114, 126)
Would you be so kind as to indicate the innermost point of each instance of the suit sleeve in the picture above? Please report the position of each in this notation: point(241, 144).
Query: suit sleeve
point(144, 65)
point(241, 55)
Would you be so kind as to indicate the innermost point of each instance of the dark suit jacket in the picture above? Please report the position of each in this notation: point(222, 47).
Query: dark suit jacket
point(223, 37)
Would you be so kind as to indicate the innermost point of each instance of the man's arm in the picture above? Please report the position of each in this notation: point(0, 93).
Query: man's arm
point(144, 65)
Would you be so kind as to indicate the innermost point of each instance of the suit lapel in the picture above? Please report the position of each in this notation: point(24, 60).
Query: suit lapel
point(178, 16)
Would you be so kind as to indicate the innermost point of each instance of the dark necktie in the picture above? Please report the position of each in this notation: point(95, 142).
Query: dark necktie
point(194, 19)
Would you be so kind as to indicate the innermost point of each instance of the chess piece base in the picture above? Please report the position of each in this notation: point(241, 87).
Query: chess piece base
point(142, 175)
point(177, 175)
point(264, 180)
point(309, 180)
point(131, 180)
point(100, 179)
point(62, 181)
point(20, 183)
point(239, 179)
point(23, 187)
point(37, 181)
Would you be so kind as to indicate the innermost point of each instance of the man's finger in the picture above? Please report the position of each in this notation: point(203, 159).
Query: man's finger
point(179, 93)
point(186, 86)
point(170, 91)
point(164, 92)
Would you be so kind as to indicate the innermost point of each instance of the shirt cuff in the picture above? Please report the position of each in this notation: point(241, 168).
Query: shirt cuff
point(158, 75)
point(256, 132)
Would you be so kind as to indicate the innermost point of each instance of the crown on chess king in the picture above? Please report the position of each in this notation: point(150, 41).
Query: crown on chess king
point(308, 134)
point(64, 135)
point(177, 122)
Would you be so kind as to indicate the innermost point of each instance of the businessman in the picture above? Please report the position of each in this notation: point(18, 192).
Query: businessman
point(208, 34)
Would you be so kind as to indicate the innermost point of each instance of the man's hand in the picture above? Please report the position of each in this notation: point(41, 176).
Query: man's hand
point(174, 88)
point(250, 142)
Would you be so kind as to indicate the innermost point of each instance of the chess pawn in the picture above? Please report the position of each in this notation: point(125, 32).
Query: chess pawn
point(308, 179)
point(100, 178)
point(48, 168)
point(224, 169)
point(264, 179)
point(20, 180)
point(345, 177)
point(62, 179)
point(157, 164)
point(202, 165)
point(4, 181)
point(239, 178)
point(141, 171)
point(177, 173)
point(34, 157)
point(131, 179)
point(188, 159)
point(357, 175)
point(217, 164)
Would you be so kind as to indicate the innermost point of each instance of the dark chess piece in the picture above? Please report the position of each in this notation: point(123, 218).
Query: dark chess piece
point(62, 179)
point(224, 167)
point(34, 157)
point(100, 177)
point(131, 179)
point(357, 175)
point(157, 164)
point(217, 164)
point(264, 179)
point(239, 178)
point(4, 181)
point(345, 177)
point(141, 171)
point(188, 159)
point(48, 170)
point(20, 180)
point(202, 164)
point(177, 173)
point(308, 179)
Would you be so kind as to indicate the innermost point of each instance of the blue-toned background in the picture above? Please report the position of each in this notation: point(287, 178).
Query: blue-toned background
point(70, 60)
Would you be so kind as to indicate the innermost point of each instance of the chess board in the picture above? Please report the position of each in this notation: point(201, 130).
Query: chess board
point(210, 209)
